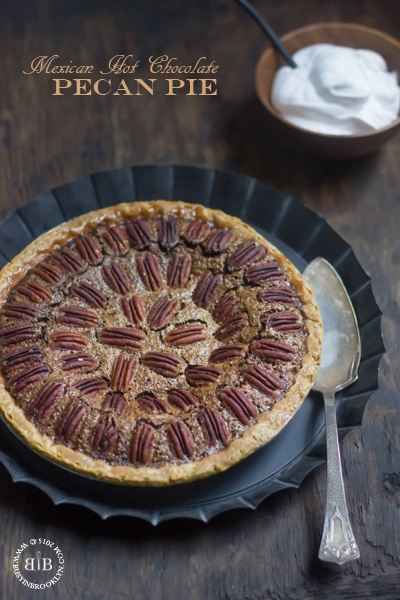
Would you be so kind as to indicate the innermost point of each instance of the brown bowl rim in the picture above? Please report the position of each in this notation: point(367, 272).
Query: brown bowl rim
point(313, 27)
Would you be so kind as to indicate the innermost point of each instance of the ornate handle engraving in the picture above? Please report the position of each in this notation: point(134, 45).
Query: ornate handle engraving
point(338, 543)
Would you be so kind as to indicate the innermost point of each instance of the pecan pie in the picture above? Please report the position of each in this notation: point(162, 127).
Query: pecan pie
point(153, 343)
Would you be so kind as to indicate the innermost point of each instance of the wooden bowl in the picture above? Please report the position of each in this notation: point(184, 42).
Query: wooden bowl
point(341, 34)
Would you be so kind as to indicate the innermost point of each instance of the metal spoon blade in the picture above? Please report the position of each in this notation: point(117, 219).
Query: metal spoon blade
point(342, 347)
point(340, 360)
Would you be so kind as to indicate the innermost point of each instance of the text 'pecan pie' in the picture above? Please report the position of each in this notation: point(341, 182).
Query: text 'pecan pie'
point(153, 343)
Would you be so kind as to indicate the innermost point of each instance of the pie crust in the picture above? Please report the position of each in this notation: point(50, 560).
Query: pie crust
point(153, 343)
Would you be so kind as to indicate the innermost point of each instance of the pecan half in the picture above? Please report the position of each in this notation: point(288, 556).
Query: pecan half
point(123, 371)
point(141, 449)
point(207, 288)
point(133, 309)
point(199, 375)
point(105, 434)
point(116, 239)
point(139, 233)
point(44, 401)
point(226, 307)
point(89, 386)
point(22, 357)
point(245, 253)
point(34, 291)
point(127, 338)
point(20, 311)
point(239, 404)
point(214, 426)
point(71, 420)
point(18, 333)
point(285, 321)
point(268, 271)
point(151, 404)
point(163, 363)
point(150, 271)
point(186, 334)
point(79, 361)
point(90, 294)
point(218, 241)
point(273, 349)
point(48, 273)
point(282, 295)
point(162, 312)
point(89, 249)
point(29, 376)
point(114, 401)
point(69, 260)
point(182, 399)
point(65, 340)
point(232, 326)
point(181, 439)
point(116, 278)
point(179, 268)
point(196, 232)
point(230, 352)
point(168, 232)
point(264, 380)
point(76, 316)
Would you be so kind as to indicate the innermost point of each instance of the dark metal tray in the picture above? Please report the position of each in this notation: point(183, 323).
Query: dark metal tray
point(302, 235)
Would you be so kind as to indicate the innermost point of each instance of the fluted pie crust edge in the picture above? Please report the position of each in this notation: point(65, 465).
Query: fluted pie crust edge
point(268, 425)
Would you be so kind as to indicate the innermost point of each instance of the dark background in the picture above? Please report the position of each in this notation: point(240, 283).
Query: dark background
point(46, 141)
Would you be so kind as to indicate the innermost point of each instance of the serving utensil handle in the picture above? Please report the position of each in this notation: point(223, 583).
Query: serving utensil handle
point(267, 29)
point(338, 543)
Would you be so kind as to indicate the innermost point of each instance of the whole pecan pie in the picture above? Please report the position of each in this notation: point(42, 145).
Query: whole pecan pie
point(153, 343)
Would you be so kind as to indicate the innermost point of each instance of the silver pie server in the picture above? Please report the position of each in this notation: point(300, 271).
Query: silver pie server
point(340, 360)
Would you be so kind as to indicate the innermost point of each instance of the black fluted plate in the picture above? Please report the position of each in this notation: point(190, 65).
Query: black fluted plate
point(302, 235)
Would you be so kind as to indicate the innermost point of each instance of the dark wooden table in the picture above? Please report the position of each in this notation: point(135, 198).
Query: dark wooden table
point(47, 140)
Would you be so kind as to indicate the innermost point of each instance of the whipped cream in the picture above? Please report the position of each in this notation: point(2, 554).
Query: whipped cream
point(337, 90)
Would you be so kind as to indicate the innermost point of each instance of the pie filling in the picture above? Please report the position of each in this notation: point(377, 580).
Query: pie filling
point(154, 339)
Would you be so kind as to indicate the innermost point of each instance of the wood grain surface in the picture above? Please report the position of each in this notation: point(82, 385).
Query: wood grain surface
point(47, 140)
